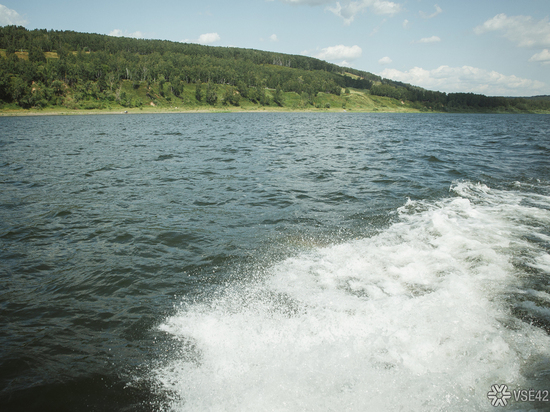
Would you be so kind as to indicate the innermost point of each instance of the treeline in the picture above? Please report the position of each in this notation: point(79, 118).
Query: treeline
point(460, 102)
point(43, 67)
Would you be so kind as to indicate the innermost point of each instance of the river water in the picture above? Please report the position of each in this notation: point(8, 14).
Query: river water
point(274, 262)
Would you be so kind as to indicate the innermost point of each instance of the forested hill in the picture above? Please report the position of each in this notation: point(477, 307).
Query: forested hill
point(93, 66)
point(46, 68)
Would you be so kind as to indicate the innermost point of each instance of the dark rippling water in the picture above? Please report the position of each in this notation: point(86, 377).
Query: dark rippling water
point(281, 262)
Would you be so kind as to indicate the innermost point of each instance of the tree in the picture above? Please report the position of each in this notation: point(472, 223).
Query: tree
point(211, 95)
point(20, 91)
point(161, 85)
point(10, 49)
point(231, 97)
point(36, 55)
point(242, 89)
point(62, 53)
point(258, 95)
point(198, 92)
point(177, 86)
point(307, 99)
point(5, 84)
point(278, 98)
point(58, 87)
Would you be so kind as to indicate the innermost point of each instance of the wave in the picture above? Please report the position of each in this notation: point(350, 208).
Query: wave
point(426, 315)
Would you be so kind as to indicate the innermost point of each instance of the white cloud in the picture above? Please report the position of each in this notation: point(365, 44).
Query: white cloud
point(522, 30)
point(348, 9)
point(431, 16)
point(467, 79)
point(406, 24)
point(9, 17)
point(385, 60)
point(208, 38)
point(383, 7)
point(543, 57)
point(272, 38)
point(116, 33)
point(346, 12)
point(339, 52)
point(120, 33)
point(433, 39)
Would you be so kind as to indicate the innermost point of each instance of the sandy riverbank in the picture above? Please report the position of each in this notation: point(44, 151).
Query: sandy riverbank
point(121, 111)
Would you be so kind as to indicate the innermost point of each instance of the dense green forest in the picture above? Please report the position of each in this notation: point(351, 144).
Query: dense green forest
point(47, 68)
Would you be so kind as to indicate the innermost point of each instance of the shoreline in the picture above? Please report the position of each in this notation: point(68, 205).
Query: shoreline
point(22, 113)
point(84, 112)
point(123, 111)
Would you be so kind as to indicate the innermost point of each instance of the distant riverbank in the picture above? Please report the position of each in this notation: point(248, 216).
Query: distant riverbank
point(57, 111)
point(69, 112)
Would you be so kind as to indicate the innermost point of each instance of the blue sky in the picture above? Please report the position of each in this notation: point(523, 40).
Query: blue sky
point(494, 47)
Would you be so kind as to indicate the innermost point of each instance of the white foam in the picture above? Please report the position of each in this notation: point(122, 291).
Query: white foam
point(410, 319)
point(542, 262)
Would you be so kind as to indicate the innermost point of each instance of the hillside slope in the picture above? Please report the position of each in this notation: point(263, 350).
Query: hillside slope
point(67, 70)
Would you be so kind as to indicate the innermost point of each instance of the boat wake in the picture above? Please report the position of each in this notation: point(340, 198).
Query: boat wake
point(426, 315)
